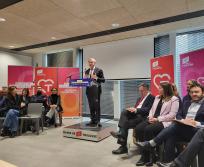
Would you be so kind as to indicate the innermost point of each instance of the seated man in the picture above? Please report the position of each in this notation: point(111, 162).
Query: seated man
point(133, 116)
point(195, 147)
point(184, 129)
point(39, 97)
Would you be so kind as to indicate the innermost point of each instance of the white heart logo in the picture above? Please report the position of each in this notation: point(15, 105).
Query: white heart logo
point(48, 83)
point(160, 76)
point(201, 80)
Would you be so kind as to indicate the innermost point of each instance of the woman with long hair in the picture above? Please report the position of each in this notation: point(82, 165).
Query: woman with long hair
point(163, 111)
point(55, 108)
point(24, 101)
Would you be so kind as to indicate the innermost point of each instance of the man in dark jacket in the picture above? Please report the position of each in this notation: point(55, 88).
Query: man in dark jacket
point(93, 92)
point(132, 116)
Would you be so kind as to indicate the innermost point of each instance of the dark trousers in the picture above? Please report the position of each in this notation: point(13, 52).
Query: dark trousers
point(145, 132)
point(127, 121)
point(176, 132)
point(195, 147)
point(93, 96)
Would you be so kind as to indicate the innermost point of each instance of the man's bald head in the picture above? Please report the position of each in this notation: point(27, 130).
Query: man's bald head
point(91, 62)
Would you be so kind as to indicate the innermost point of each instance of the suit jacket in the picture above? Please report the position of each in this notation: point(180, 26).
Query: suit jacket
point(146, 106)
point(100, 76)
point(199, 115)
point(10, 102)
point(168, 111)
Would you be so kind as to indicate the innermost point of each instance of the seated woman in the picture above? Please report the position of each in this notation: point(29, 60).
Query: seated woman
point(10, 111)
point(55, 108)
point(163, 111)
point(24, 101)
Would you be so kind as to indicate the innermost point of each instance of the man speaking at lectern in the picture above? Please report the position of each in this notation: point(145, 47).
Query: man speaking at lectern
point(93, 92)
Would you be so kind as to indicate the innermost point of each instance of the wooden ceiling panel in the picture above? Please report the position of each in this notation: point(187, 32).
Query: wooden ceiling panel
point(36, 21)
point(116, 15)
point(194, 5)
point(146, 10)
point(32, 8)
point(83, 8)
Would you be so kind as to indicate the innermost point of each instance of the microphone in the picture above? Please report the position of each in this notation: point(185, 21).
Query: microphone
point(72, 74)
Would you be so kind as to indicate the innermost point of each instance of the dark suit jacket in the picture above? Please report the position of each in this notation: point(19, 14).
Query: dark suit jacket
point(100, 76)
point(146, 106)
point(200, 113)
point(10, 102)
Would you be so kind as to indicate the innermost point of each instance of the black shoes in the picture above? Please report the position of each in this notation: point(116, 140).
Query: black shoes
point(162, 164)
point(115, 134)
point(99, 125)
point(144, 145)
point(121, 150)
point(13, 134)
point(94, 124)
point(5, 132)
point(141, 162)
point(150, 163)
point(91, 123)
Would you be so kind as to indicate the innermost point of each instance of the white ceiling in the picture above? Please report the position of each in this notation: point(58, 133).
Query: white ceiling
point(36, 21)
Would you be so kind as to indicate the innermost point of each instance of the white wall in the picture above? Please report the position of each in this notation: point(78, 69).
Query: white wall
point(11, 59)
point(129, 58)
point(38, 59)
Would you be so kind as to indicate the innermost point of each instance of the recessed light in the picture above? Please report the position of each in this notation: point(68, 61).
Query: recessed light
point(53, 38)
point(11, 46)
point(115, 25)
point(2, 19)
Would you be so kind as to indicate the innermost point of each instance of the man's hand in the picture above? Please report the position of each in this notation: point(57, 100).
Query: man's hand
point(131, 109)
point(93, 76)
point(53, 106)
point(152, 120)
point(189, 121)
point(22, 104)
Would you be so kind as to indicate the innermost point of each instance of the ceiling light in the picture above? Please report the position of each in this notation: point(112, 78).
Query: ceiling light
point(11, 46)
point(2, 19)
point(53, 38)
point(115, 25)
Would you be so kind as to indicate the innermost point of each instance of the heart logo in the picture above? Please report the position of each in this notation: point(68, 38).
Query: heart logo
point(46, 84)
point(201, 80)
point(78, 134)
point(158, 78)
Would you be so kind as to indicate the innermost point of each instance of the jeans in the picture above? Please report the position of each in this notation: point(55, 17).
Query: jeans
point(11, 120)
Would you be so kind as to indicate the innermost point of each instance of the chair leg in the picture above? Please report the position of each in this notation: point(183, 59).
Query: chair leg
point(60, 118)
point(195, 162)
point(42, 124)
point(21, 126)
point(37, 126)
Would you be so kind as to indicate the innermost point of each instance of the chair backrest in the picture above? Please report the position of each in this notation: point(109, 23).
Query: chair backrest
point(35, 109)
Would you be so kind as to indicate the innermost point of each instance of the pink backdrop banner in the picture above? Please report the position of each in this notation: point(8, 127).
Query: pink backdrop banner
point(21, 77)
point(192, 67)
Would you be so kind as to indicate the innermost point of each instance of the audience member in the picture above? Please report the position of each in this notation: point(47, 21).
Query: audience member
point(162, 113)
point(183, 129)
point(55, 108)
point(10, 110)
point(195, 147)
point(24, 100)
point(132, 116)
